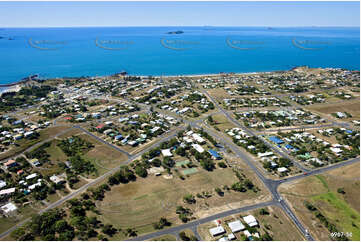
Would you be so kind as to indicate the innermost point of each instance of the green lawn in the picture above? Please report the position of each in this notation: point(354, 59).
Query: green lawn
point(339, 212)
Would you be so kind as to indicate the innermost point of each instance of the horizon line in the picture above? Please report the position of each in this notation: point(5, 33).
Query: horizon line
point(209, 26)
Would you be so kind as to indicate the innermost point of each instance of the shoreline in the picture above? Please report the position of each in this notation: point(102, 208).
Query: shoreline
point(5, 86)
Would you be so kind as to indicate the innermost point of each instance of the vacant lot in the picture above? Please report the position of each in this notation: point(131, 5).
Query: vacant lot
point(335, 194)
point(221, 122)
point(140, 203)
point(276, 224)
point(352, 107)
point(103, 156)
point(167, 237)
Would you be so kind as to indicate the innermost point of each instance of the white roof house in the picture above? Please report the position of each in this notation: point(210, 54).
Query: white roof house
point(198, 138)
point(7, 191)
point(282, 169)
point(10, 207)
point(247, 233)
point(56, 179)
point(336, 150)
point(250, 220)
point(31, 176)
point(236, 226)
point(166, 152)
point(2, 184)
point(31, 187)
point(231, 236)
point(216, 231)
point(265, 154)
point(198, 148)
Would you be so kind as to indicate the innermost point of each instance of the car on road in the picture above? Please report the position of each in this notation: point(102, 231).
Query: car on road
point(305, 173)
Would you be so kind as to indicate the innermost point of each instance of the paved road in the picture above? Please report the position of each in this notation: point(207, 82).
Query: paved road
point(295, 128)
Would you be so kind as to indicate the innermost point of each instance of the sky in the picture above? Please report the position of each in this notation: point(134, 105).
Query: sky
point(83, 14)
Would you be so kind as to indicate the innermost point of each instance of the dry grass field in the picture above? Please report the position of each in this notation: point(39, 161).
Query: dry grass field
point(342, 210)
point(102, 156)
point(352, 107)
point(221, 122)
point(167, 237)
point(143, 202)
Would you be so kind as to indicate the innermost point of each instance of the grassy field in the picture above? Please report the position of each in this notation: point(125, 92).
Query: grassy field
point(352, 107)
point(276, 224)
point(167, 237)
point(342, 210)
point(222, 122)
point(102, 155)
point(25, 143)
point(23, 213)
point(141, 203)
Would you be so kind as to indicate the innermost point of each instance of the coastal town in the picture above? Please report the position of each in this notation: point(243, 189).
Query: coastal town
point(253, 156)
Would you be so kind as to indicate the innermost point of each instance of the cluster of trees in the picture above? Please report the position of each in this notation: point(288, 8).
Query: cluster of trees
point(185, 237)
point(260, 147)
point(204, 159)
point(98, 193)
point(163, 222)
point(80, 165)
point(75, 145)
point(56, 224)
point(48, 226)
point(39, 153)
point(184, 214)
point(330, 226)
point(11, 100)
point(124, 175)
point(189, 198)
point(243, 183)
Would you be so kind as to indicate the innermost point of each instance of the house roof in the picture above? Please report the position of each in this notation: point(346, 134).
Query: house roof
point(214, 153)
point(216, 230)
point(250, 220)
point(236, 226)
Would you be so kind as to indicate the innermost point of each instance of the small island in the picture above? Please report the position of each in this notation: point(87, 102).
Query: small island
point(176, 32)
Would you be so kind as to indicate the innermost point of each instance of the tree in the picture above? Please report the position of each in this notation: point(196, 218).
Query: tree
point(219, 192)
point(222, 164)
point(67, 235)
point(130, 232)
point(141, 171)
point(341, 190)
point(180, 151)
point(264, 211)
point(161, 224)
point(183, 236)
point(189, 198)
point(207, 164)
point(108, 229)
point(61, 226)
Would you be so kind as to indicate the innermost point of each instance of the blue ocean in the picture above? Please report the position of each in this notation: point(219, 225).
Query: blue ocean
point(98, 51)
